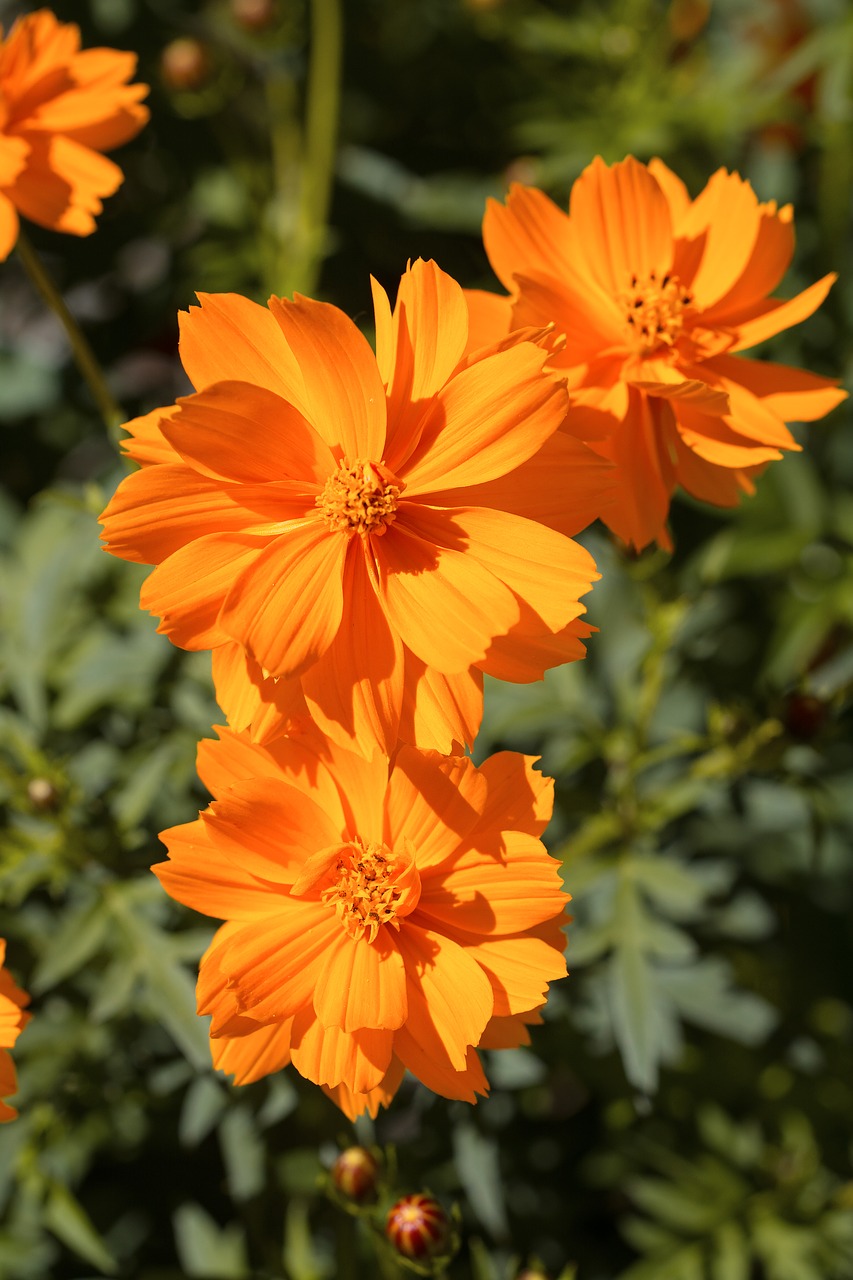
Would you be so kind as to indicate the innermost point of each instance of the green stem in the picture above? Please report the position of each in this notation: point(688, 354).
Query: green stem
point(321, 129)
point(83, 354)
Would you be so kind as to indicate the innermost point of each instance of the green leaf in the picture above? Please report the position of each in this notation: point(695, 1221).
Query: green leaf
point(79, 937)
point(244, 1154)
point(69, 1222)
point(207, 1250)
point(478, 1164)
point(204, 1103)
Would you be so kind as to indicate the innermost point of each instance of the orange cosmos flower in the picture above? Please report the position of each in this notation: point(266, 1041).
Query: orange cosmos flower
point(651, 295)
point(371, 527)
point(379, 914)
point(60, 106)
point(12, 1022)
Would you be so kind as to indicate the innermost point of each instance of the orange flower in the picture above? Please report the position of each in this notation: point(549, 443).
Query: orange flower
point(380, 914)
point(12, 1022)
point(372, 527)
point(651, 295)
point(60, 106)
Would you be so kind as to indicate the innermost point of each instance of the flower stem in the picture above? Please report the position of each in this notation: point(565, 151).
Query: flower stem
point(83, 354)
point(321, 130)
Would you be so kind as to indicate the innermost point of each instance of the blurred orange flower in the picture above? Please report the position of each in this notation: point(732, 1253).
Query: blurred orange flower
point(12, 1022)
point(380, 914)
point(372, 527)
point(651, 295)
point(60, 106)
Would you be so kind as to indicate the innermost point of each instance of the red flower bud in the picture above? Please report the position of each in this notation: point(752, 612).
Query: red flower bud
point(355, 1174)
point(418, 1227)
point(254, 15)
point(185, 63)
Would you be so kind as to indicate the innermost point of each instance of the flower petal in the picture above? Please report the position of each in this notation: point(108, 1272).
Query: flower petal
point(726, 218)
point(186, 591)
point(354, 1104)
point(228, 338)
point(620, 224)
point(254, 1054)
point(245, 433)
point(344, 397)
point(487, 420)
point(355, 691)
point(287, 606)
point(331, 1056)
point(519, 970)
point(362, 985)
point(449, 997)
point(270, 829)
point(440, 712)
point(9, 227)
point(767, 319)
point(201, 876)
point(272, 964)
point(487, 895)
point(519, 797)
point(790, 394)
point(433, 802)
point(426, 575)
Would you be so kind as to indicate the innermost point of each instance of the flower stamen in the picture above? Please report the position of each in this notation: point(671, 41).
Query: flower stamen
point(361, 497)
point(654, 311)
point(365, 891)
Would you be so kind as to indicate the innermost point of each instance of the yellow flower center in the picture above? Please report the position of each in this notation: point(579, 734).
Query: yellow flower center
point(370, 886)
point(654, 311)
point(361, 497)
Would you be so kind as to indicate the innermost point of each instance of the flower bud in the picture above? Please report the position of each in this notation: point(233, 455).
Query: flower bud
point(254, 15)
point(355, 1174)
point(185, 64)
point(42, 794)
point(418, 1227)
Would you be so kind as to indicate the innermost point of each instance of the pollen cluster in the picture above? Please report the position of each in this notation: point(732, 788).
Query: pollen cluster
point(364, 892)
point(654, 310)
point(361, 497)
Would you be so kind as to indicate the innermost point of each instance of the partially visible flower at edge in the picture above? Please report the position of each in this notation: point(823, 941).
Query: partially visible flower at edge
point(60, 107)
point(368, 527)
point(651, 296)
point(380, 915)
point(13, 1019)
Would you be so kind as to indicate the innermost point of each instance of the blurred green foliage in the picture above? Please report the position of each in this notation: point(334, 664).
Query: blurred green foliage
point(685, 1112)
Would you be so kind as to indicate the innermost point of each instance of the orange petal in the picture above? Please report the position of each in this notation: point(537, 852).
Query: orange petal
point(271, 965)
point(486, 421)
point(9, 227)
point(546, 570)
point(428, 337)
point(331, 1056)
point(564, 486)
point(147, 444)
point(422, 1056)
point(673, 188)
point(424, 578)
point(434, 802)
point(440, 712)
point(716, 441)
point(249, 698)
point(621, 225)
point(62, 184)
point(270, 829)
point(355, 691)
point(726, 218)
point(201, 876)
point(581, 312)
point(529, 649)
point(488, 895)
point(722, 486)
point(771, 256)
point(287, 606)
point(354, 1104)
point(791, 394)
point(186, 591)
point(236, 431)
point(519, 798)
point(489, 318)
point(160, 509)
point(767, 319)
point(519, 970)
point(344, 396)
point(644, 477)
point(748, 415)
point(449, 997)
point(529, 233)
point(362, 985)
point(230, 339)
point(13, 158)
point(254, 1054)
